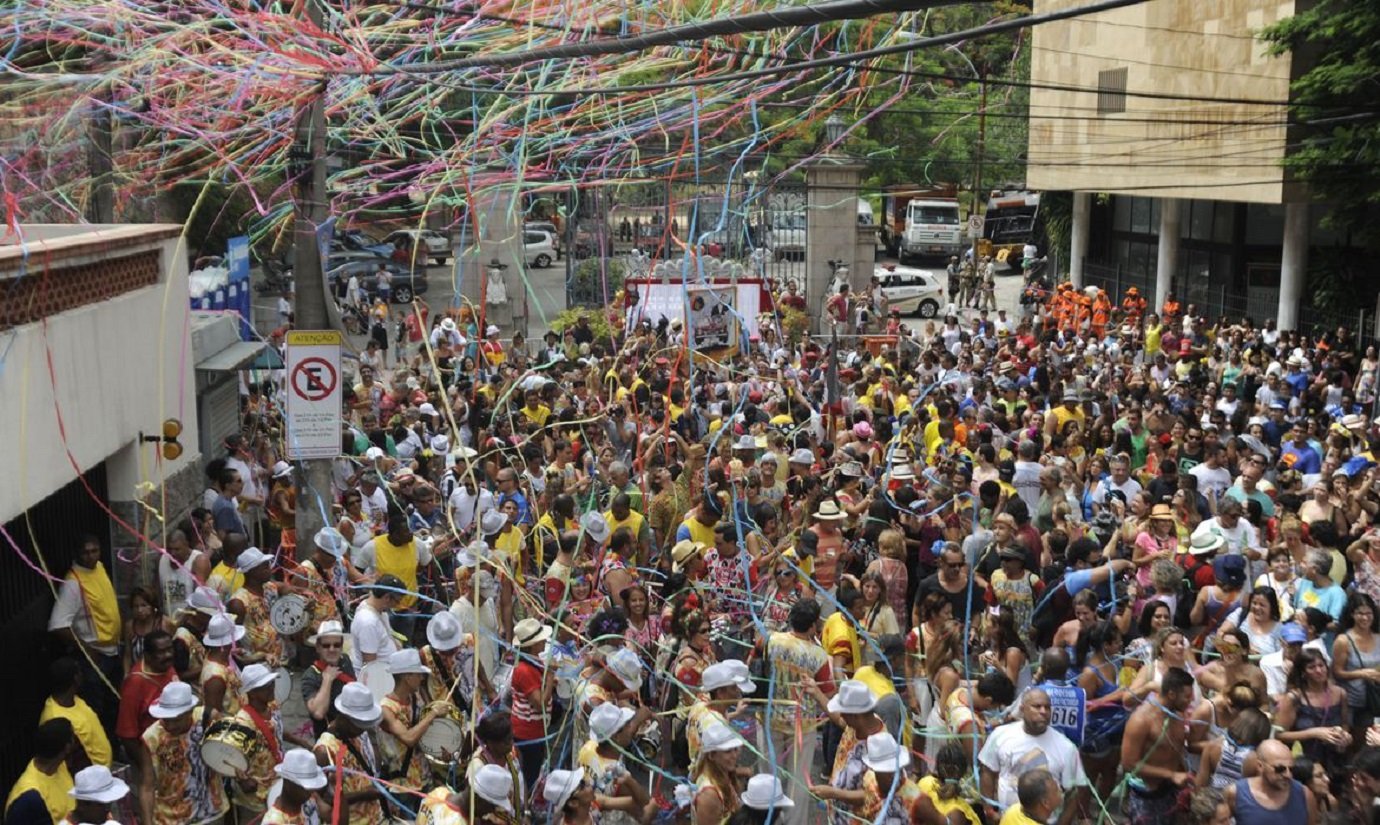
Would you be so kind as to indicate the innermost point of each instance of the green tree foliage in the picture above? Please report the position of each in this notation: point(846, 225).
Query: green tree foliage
point(1339, 156)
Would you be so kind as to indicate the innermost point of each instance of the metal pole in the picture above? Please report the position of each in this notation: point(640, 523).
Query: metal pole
point(314, 500)
point(981, 150)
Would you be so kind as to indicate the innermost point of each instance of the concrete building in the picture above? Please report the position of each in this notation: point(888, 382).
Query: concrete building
point(95, 350)
point(1167, 122)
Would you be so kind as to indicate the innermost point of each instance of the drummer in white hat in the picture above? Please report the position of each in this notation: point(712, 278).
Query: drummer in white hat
point(251, 605)
point(347, 749)
point(300, 777)
point(323, 575)
point(723, 685)
point(259, 713)
point(406, 717)
point(883, 758)
point(95, 789)
point(220, 677)
point(441, 655)
point(612, 729)
point(569, 795)
point(764, 793)
point(488, 795)
point(192, 622)
point(173, 777)
point(328, 674)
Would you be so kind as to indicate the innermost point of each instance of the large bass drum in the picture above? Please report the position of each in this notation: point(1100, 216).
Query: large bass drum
point(227, 747)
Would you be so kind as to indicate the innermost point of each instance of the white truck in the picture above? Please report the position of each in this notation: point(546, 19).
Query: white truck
point(932, 228)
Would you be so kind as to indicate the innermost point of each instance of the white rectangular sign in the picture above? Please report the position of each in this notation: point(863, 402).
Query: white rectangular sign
point(658, 300)
point(314, 394)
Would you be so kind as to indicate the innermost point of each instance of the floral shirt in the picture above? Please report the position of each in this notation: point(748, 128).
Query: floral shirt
point(261, 641)
point(392, 751)
point(196, 651)
point(899, 805)
point(321, 591)
point(263, 759)
point(356, 774)
point(848, 773)
point(230, 674)
point(792, 660)
point(605, 773)
point(184, 789)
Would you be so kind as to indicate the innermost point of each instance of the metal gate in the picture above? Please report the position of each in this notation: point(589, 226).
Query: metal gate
point(52, 528)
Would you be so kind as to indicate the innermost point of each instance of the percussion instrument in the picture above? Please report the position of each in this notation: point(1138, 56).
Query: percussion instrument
point(503, 682)
point(227, 747)
point(290, 614)
point(647, 743)
point(442, 740)
point(282, 685)
point(376, 677)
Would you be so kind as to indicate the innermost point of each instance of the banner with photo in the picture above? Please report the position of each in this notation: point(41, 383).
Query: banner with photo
point(713, 323)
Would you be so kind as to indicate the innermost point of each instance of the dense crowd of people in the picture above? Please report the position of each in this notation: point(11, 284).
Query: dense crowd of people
point(1113, 565)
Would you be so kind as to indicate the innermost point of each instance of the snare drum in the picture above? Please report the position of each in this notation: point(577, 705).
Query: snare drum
point(648, 741)
point(442, 740)
point(376, 677)
point(290, 614)
point(227, 747)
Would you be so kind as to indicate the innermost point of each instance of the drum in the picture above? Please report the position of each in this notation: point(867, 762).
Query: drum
point(282, 686)
point(376, 677)
point(442, 739)
point(503, 682)
point(290, 614)
point(227, 747)
point(648, 742)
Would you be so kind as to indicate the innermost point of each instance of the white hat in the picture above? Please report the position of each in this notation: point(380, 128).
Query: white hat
point(627, 666)
point(529, 632)
point(492, 522)
point(403, 472)
point(97, 784)
point(719, 737)
point(561, 785)
point(443, 632)
point(902, 472)
point(282, 469)
point(1296, 360)
point(204, 599)
point(405, 661)
point(764, 792)
point(493, 783)
point(440, 444)
point(330, 627)
point(829, 511)
point(802, 456)
point(853, 697)
point(491, 330)
point(373, 454)
point(256, 676)
point(883, 754)
point(222, 631)
point(176, 699)
point(725, 673)
point(448, 324)
point(427, 408)
point(250, 558)
point(332, 541)
point(608, 719)
point(299, 767)
point(358, 703)
point(472, 554)
point(594, 524)
point(745, 442)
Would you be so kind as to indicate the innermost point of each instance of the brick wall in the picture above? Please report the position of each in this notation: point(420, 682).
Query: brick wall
point(43, 292)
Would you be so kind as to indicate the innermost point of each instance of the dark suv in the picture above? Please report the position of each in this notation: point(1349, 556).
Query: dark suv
point(406, 282)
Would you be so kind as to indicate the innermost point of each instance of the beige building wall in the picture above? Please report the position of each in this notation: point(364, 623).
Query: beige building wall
point(1161, 147)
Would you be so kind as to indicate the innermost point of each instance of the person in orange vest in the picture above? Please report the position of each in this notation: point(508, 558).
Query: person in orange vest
point(1133, 306)
point(1083, 303)
point(1059, 307)
point(1170, 311)
point(1101, 313)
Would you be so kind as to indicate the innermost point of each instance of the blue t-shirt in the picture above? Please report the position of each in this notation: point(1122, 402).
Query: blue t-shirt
point(1068, 707)
point(1305, 459)
point(1330, 599)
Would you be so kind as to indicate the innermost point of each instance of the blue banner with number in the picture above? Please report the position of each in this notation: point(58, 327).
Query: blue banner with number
point(1068, 707)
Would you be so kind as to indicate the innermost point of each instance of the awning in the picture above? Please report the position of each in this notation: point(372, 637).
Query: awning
point(234, 357)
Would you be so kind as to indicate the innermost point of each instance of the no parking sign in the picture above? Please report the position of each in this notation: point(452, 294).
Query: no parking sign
point(314, 394)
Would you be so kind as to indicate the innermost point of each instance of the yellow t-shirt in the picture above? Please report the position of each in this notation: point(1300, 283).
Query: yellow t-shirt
point(1152, 339)
point(634, 522)
point(539, 415)
point(53, 789)
point(1015, 816)
point(703, 533)
point(85, 724)
point(225, 580)
point(509, 546)
point(877, 683)
point(838, 632)
point(929, 786)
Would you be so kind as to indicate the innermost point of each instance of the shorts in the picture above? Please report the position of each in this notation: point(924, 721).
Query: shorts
point(1152, 807)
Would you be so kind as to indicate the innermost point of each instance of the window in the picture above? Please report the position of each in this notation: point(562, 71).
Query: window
point(1111, 91)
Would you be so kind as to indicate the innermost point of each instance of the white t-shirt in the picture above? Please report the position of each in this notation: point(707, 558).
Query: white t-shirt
point(375, 506)
point(1010, 751)
point(1129, 488)
point(466, 509)
point(370, 632)
point(1026, 480)
point(1212, 483)
point(253, 488)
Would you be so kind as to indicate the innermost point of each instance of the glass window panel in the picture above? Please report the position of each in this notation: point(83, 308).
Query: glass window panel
point(1222, 220)
point(1264, 224)
point(1121, 213)
point(1201, 221)
point(1140, 216)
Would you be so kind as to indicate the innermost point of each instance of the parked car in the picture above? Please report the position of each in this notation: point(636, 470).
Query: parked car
point(538, 248)
point(355, 240)
point(437, 244)
point(406, 282)
point(909, 290)
point(550, 229)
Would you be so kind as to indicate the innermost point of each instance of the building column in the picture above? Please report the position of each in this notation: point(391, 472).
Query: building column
point(1168, 260)
point(831, 233)
point(1078, 240)
point(1293, 268)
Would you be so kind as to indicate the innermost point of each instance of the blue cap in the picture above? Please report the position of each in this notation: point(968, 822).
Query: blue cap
point(1278, 405)
point(1293, 633)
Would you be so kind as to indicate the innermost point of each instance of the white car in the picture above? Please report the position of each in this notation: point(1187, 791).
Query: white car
point(436, 243)
point(538, 248)
point(909, 290)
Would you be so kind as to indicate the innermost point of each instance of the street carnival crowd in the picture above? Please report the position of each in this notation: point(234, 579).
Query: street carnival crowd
point(1084, 561)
